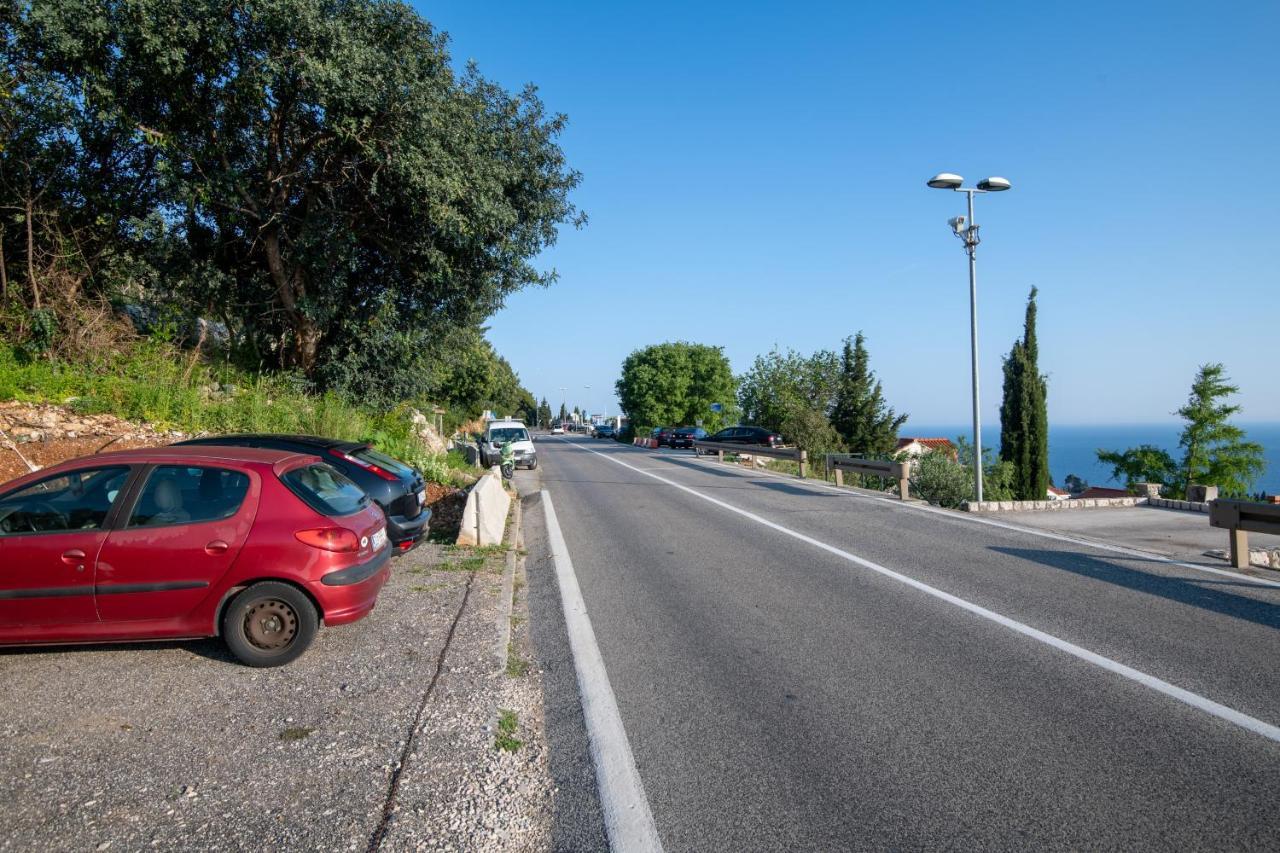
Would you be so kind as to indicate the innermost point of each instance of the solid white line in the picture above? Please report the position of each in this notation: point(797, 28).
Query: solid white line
point(1195, 700)
point(627, 818)
point(970, 518)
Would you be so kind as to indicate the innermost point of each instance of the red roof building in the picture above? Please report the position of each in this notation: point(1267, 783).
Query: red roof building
point(920, 446)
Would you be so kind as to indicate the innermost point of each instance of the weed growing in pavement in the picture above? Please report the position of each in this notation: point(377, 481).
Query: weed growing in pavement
point(516, 665)
point(507, 725)
point(296, 733)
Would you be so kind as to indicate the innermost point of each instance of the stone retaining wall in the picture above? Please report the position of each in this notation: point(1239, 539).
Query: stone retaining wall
point(1036, 506)
point(1191, 506)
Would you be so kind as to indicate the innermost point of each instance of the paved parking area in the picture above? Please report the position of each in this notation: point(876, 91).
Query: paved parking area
point(1172, 533)
point(175, 745)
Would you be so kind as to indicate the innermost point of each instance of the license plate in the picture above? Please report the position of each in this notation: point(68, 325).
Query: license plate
point(422, 497)
point(379, 539)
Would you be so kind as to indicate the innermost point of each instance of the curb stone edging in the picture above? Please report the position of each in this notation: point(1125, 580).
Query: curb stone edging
point(1048, 505)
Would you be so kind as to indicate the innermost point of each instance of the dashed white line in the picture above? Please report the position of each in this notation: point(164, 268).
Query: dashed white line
point(627, 817)
point(1194, 700)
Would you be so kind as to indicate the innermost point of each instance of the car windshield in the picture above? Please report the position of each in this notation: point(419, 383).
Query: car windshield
point(505, 434)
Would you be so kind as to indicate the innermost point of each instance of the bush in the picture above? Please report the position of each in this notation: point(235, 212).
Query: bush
point(938, 480)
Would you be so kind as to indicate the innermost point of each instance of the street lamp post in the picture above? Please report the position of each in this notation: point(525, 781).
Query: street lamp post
point(563, 411)
point(586, 416)
point(969, 236)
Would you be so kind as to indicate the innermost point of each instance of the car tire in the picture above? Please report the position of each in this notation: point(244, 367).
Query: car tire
point(269, 624)
point(533, 464)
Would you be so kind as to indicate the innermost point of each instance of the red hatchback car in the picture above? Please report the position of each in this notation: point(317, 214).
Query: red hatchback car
point(255, 546)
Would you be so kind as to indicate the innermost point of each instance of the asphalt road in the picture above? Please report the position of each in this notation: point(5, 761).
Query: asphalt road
point(795, 677)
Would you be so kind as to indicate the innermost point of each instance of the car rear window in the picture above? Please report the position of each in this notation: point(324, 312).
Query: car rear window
point(325, 490)
point(382, 460)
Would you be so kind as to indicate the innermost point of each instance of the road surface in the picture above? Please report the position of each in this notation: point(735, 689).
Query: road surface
point(800, 668)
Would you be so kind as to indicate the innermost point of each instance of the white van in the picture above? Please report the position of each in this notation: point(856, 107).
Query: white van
point(498, 433)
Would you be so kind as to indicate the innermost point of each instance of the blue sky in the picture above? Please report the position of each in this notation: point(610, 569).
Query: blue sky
point(754, 176)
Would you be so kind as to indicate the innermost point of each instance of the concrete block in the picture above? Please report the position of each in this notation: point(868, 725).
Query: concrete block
point(484, 518)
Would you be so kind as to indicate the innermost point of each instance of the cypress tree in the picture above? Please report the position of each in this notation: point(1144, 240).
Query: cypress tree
point(1024, 414)
point(867, 425)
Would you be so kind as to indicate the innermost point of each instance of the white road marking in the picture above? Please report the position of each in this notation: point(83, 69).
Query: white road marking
point(1195, 700)
point(627, 817)
point(969, 518)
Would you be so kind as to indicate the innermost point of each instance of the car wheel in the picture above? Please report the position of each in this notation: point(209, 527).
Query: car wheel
point(269, 624)
point(533, 464)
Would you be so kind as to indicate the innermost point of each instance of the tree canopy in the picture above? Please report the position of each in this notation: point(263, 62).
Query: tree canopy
point(674, 384)
point(313, 173)
point(1024, 414)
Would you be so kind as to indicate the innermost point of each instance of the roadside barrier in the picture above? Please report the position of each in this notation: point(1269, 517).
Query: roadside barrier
point(1240, 518)
point(753, 450)
point(651, 443)
point(900, 471)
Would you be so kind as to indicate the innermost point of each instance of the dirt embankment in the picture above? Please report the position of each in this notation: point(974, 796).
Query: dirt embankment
point(40, 435)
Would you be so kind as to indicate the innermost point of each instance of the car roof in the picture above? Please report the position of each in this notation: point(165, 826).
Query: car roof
point(311, 440)
point(261, 455)
point(506, 423)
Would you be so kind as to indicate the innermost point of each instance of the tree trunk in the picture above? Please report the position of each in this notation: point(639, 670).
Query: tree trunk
point(4, 274)
point(305, 345)
point(31, 254)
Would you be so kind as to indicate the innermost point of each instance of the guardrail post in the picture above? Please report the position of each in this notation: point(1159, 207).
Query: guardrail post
point(904, 479)
point(720, 455)
point(839, 477)
point(1239, 547)
point(804, 462)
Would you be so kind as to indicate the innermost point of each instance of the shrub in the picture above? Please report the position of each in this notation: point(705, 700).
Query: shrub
point(938, 480)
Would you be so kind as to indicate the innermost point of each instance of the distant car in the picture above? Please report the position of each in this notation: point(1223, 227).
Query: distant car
point(606, 431)
point(686, 436)
point(758, 436)
point(663, 435)
point(256, 546)
point(395, 486)
point(500, 433)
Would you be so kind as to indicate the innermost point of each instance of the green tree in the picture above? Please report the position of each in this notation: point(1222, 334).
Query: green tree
point(1145, 463)
point(1024, 414)
point(544, 414)
point(859, 414)
point(1216, 451)
point(322, 157)
point(793, 394)
point(676, 383)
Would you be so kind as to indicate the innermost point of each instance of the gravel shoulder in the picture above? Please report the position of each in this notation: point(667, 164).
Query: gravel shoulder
point(175, 746)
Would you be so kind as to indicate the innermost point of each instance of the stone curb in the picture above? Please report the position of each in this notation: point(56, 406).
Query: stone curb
point(506, 602)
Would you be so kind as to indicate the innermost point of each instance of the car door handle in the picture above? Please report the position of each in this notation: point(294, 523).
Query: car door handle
point(216, 547)
point(72, 557)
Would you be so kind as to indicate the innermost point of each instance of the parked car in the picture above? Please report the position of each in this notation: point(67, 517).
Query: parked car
point(499, 433)
point(605, 431)
point(397, 487)
point(758, 436)
point(663, 435)
point(257, 546)
point(686, 436)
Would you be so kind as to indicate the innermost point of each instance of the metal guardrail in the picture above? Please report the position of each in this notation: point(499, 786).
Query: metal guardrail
point(1240, 518)
point(900, 471)
point(795, 454)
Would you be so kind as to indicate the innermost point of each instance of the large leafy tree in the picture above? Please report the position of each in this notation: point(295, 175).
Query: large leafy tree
point(676, 383)
point(793, 394)
point(866, 423)
point(320, 157)
point(1215, 451)
point(1024, 414)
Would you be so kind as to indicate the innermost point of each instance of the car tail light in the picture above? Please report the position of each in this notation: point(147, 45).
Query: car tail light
point(405, 545)
point(337, 539)
point(368, 466)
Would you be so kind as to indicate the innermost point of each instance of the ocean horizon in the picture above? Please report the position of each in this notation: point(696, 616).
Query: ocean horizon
point(1073, 447)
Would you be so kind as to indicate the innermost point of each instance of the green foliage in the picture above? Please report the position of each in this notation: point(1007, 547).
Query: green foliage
point(1024, 415)
point(793, 394)
point(148, 384)
point(313, 173)
point(544, 414)
point(936, 478)
point(1145, 463)
point(859, 414)
point(674, 384)
point(998, 475)
point(1075, 485)
point(1216, 451)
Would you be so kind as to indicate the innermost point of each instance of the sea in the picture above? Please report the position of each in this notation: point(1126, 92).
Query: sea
point(1073, 449)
